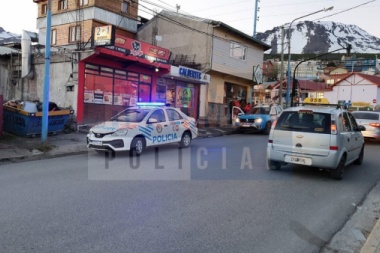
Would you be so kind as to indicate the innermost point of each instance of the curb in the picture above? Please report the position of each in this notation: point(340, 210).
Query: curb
point(373, 241)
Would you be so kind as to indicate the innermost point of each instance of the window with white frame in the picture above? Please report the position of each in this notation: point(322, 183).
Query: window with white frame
point(62, 4)
point(74, 33)
point(53, 37)
point(238, 51)
point(83, 2)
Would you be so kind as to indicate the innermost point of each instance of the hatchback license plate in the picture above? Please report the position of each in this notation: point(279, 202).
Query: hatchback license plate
point(298, 160)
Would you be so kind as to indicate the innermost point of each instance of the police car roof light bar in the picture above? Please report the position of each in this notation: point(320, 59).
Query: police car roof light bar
point(150, 104)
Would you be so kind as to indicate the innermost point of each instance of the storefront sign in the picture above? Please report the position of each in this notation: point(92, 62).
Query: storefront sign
point(104, 35)
point(190, 73)
point(140, 49)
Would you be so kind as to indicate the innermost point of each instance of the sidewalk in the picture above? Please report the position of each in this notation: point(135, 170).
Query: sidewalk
point(14, 148)
point(361, 233)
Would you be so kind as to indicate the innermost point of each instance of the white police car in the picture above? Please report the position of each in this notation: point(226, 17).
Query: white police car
point(141, 126)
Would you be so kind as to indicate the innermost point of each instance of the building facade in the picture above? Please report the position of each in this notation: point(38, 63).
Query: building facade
point(226, 54)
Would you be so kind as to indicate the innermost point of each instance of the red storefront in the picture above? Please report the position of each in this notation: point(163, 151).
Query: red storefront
point(117, 76)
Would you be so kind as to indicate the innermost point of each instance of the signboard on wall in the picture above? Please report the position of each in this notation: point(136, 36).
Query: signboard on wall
point(257, 74)
point(104, 35)
point(140, 49)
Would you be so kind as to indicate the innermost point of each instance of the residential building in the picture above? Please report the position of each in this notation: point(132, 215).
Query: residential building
point(226, 54)
point(97, 66)
point(357, 88)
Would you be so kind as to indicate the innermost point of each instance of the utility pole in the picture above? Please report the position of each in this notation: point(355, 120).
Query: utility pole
point(255, 19)
point(45, 101)
point(282, 64)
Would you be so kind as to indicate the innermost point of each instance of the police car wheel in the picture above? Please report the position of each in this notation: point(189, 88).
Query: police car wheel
point(185, 140)
point(137, 146)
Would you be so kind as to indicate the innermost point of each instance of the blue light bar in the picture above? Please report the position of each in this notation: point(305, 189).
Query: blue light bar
point(150, 104)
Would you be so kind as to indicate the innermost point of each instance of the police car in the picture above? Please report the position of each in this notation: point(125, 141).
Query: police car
point(141, 126)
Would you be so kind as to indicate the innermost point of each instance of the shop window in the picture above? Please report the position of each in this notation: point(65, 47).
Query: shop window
point(104, 85)
point(161, 90)
point(144, 93)
point(184, 97)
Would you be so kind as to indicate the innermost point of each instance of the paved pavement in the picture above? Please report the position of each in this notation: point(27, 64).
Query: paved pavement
point(361, 233)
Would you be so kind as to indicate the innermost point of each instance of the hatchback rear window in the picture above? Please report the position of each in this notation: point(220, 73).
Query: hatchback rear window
point(370, 116)
point(305, 121)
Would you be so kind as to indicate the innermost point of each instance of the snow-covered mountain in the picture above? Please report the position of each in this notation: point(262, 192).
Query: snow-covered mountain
point(8, 37)
point(321, 37)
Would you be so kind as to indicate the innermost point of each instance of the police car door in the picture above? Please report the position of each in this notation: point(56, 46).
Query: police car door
point(159, 128)
point(177, 124)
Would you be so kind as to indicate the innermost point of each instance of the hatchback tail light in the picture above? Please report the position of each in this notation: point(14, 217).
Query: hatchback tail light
point(374, 124)
point(333, 127)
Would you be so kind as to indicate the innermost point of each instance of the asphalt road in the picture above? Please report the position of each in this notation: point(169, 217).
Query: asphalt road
point(216, 196)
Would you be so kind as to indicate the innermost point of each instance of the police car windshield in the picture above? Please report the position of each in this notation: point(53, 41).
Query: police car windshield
point(131, 115)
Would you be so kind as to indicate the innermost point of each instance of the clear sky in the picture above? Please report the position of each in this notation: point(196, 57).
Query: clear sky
point(18, 15)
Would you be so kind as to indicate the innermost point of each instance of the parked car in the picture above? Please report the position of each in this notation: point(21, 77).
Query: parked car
point(141, 126)
point(318, 136)
point(371, 121)
point(259, 119)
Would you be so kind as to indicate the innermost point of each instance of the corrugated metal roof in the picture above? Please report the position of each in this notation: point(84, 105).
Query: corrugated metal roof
point(7, 51)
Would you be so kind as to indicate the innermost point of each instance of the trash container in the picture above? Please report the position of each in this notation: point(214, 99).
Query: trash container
point(29, 124)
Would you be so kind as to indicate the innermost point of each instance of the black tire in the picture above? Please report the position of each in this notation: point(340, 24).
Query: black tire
point(267, 128)
point(272, 165)
point(360, 158)
point(137, 146)
point(185, 140)
point(338, 173)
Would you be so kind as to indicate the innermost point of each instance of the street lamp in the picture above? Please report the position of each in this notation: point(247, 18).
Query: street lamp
point(289, 35)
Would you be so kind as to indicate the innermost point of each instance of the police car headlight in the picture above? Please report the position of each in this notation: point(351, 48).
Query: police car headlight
point(237, 120)
point(120, 132)
point(259, 120)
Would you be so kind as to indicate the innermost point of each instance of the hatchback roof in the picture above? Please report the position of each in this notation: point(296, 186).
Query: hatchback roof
point(319, 108)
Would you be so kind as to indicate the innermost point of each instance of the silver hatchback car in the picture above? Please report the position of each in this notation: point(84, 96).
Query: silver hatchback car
point(314, 135)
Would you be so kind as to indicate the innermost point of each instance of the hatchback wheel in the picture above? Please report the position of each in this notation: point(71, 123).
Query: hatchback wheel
point(185, 140)
point(338, 173)
point(137, 146)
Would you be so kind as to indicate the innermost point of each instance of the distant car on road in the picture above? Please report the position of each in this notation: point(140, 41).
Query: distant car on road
point(371, 121)
point(259, 119)
point(141, 126)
